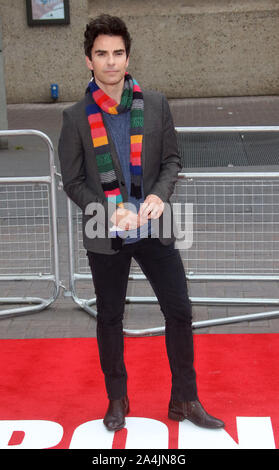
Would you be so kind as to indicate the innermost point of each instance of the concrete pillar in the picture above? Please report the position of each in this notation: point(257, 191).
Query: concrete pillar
point(3, 104)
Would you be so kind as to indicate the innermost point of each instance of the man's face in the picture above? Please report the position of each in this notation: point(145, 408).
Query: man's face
point(108, 60)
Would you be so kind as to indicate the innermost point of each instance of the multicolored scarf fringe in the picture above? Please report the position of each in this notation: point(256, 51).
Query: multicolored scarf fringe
point(132, 100)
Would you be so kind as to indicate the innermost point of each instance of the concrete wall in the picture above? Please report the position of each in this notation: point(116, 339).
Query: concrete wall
point(3, 107)
point(37, 56)
point(190, 48)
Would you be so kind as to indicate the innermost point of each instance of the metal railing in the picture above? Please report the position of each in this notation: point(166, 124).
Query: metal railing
point(28, 228)
point(235, 236)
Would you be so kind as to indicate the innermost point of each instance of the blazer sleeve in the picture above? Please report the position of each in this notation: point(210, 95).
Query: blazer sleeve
point(71, 156)
point(170, 158)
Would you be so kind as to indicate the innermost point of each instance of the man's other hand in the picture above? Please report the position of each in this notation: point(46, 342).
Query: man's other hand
point(151, 208)
point(126, 219)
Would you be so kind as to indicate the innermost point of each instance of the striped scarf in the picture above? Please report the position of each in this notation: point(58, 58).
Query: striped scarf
point(132, 100)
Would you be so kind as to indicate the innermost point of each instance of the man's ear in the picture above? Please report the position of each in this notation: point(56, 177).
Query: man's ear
point(88, 63)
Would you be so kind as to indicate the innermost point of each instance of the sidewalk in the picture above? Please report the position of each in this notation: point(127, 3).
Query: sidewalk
point(64, 318)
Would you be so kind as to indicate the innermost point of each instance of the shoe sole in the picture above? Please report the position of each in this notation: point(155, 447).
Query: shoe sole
point(178, 417)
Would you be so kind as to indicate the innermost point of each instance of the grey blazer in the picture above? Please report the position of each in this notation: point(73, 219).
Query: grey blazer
point(160, 163)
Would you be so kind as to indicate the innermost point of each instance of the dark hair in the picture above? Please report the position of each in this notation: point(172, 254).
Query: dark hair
point(106, 24)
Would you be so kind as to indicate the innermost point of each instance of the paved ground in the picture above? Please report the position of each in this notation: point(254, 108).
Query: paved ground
point(27, 156)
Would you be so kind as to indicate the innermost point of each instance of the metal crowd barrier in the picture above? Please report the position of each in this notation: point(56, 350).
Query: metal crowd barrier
point(28, 243)
point(235, 236)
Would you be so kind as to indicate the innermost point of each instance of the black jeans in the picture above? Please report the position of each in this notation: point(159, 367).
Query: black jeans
point(163, 268)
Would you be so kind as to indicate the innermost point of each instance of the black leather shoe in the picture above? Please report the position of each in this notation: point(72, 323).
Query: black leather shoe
point(194, 412)
point(114, 419)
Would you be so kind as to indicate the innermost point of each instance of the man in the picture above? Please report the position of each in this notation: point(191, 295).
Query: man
point(118, 149)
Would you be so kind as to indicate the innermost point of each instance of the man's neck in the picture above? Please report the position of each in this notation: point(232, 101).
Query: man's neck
point(114, 91)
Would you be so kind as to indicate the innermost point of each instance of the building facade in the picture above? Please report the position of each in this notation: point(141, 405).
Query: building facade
point(183, 48)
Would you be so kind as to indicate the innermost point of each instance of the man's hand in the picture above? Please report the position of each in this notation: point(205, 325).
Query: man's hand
point(126, 219)
point(152, 207)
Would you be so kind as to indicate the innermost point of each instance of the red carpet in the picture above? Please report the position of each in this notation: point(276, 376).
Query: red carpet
point(52, 394)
